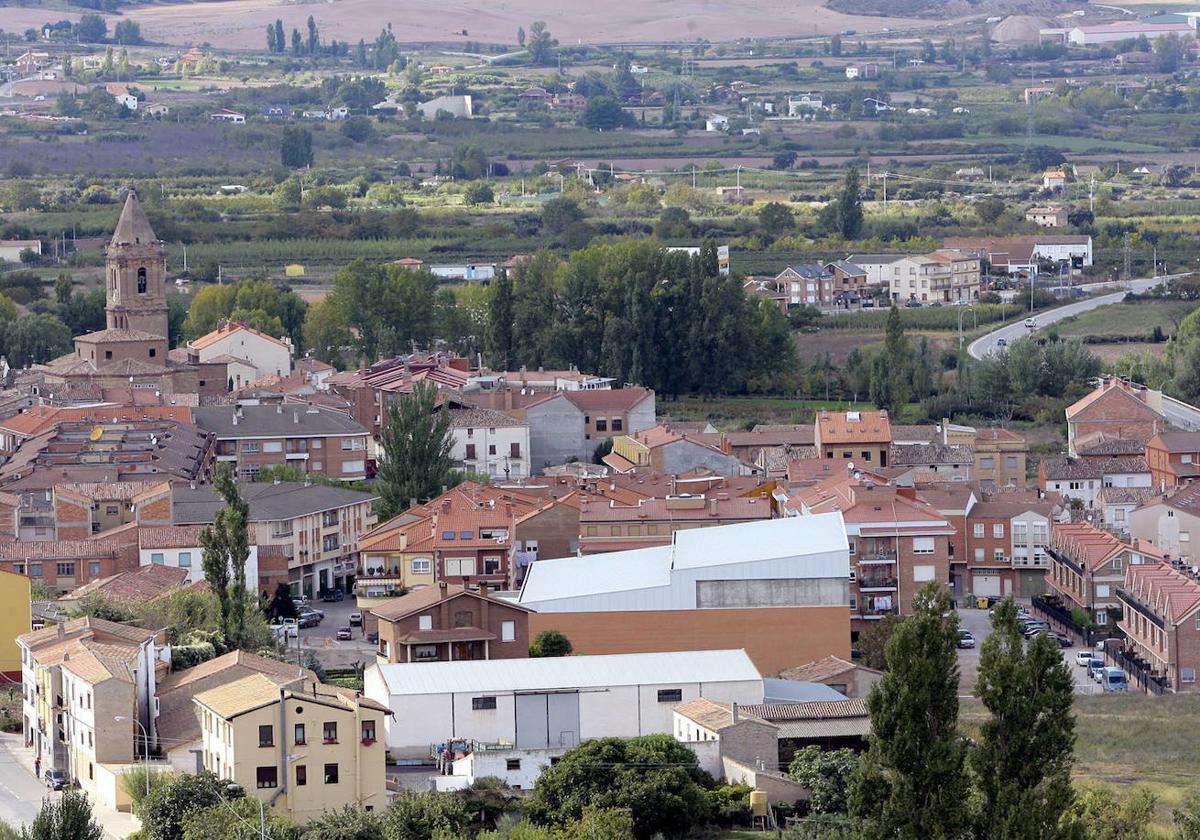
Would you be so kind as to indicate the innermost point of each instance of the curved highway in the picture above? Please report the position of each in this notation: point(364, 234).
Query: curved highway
point(987, 344)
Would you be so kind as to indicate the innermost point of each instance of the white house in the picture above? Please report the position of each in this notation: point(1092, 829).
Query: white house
point(11, 249)
point(464, 271)
point(716, 122)
point(489, 442)
point(458, 106)
point(545, 704)
point(852, 72)
point(128, 100)
point(805, 103)
point(178, 546)
point(262, 354)
point(225, 115)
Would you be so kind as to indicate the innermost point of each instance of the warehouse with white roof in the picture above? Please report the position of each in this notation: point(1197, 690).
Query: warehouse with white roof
point(778, 588)
point(551, 704)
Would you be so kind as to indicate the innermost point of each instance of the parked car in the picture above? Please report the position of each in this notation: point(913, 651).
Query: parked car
point(373, 638)
point(290, 631)
point(333, 596)
point(1063, 641)
point(965, 639)
point(57, 779)
point(1083, 658)
point(1094, 667)
point(345, 633)
point(308, 620)
point(1113, 679)
point(320, 614)
point(356, 619)
point(300, 600)
point(1032, 628)
point(912, 304)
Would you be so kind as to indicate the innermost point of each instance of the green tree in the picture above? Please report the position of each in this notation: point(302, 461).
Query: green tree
point(421, 816)
point(850, 206)
point(989, 209)
point(550, 643)
point(654, 776)
point(32, 339)
point(827, 774)
point(1099, 814)
point(69, 818)
point(873, 641)
point(559, 214)
point(295, 148)
point(280, 40)
point(603, 113)
point(358, 129)
point(911, 783)
point(127, 32)
point(540, 43)
point(281, 605)
point(500, 323)
point(91, 29)
point(226, 547)
point(169, 806)
point(270, 38)
point(1187, 819)
point(891, 368)
point(347, 823)
point(479, 192)
point(414, 461)
point(325, 332)
point(520, 36)
point(62, 288)
point(237, 820)
point(776, 219)
point(1023, 757)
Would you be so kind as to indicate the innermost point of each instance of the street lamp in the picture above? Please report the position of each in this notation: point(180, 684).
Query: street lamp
point(145, 745)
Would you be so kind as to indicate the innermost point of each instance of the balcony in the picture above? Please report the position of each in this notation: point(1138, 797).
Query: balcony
point(870, 583)
point(873, 613)
point(1042, 562)
point(875, 558)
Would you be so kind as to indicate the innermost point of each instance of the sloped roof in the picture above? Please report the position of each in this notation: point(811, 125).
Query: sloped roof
point(145, 583)
point(1174, 595)
point(822, 669)
point(855, 427)
point(133, 228)
point(422, 599)
point(227, 328)
point(711, 715)
point(1111, 402)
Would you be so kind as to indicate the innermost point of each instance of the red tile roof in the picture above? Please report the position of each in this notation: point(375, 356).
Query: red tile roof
point(856, 427)
point(1168, 591)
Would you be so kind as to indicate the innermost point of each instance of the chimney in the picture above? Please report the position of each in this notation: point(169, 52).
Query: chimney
point(734, 712)
point(235, 418)
point(62, 631)
point(445, 505)
point(712, 507)
point(296, 417)
point(442, 586)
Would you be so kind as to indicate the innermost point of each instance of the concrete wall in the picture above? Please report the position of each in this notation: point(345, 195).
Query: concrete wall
point(708, 755)
point(683, 455)
point(555, 433)
point(778, 787)
point(725, 594)
point(1152, 523)
point(532, 763)
point(775, 638)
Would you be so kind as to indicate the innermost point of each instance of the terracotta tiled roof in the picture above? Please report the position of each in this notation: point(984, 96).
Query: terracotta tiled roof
point(462, 418)
point(709, 714)
point(145, 583)
point(59, 549)
point(229, 661)
point(107, 491)
point(1168, 591)
point(39, 418)
point(737, 508)
point(172, 536)
point(931, 453)
point(822, 669)
point(422, 599)
point(614, 399)
point(815, 710)
point(1177, 442)
point(228, 328)
point(1092, 547)
point(1101, 444)
point(1067, 469)
point(1111, 402)
point(838, 427)
point(997, 434)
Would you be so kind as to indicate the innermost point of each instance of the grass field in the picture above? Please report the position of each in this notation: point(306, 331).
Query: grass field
point(1132, 739)
point(1135, 319)
point(1066, 143)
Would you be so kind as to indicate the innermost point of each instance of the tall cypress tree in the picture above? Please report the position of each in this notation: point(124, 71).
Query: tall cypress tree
point(500, 322)
point(850, 206)
point(910, 783)
point(226, 547)
point(280, 38)
point(1022, 761)
point(415, 458)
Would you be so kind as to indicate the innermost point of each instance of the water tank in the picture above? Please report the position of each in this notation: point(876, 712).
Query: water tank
point(758, 803)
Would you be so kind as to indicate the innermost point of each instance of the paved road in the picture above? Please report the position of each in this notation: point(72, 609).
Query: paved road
point(981, 347)
point(20, 793)
point(320, 639)
point(980, 625)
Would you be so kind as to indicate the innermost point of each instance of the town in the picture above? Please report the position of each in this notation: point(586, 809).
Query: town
point(568, 430)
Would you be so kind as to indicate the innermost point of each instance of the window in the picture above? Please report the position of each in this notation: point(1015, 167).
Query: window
point(470, 452)
point(185, 559)
point(614, 531)
point(464, 618)
point(853, 547)
point(354, 466)
point(460, 566)
point(266, 777)
point(353, 444)
point(670, 695)
point(987, 463)
point(998, 532)
point(141, 287)
point(514, 450)
point(466, 535)
point(368, 730)
point(922, 545)
point(853, 604)
point(272, 446)
point(979, 530)
point(316, 444)
point(301, 775)
point(480, 704)
point(329, 732)
point(512, 764)
point(1102, 590)
point(266, 736)
point(65, 569)
point(508, 631)
point(1187, 675)
point(601, 424)
point(1117, 564)
point(331, 774)
point(300, 735)
point(492, 449)
point(330, 542)
point(421, 565)
point(1011, 462)
point(923, 574)
point(491, 565)
point(157, 559)
point(425, 622)
point(35, 569)
point(250, 446)
point(1185, 536)
point(618, 424)
point(1102, 617)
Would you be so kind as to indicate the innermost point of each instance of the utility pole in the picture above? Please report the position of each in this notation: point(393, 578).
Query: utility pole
point(885, 174)
point(1125, 250)
point(1092, 194)
point(693, 176)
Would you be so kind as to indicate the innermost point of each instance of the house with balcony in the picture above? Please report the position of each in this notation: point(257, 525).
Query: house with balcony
point(313, 439)
point(317, 527)
point(1173, 459)
point(450, 623)
point(1007, 542)
point(898, 542)
point(807, 285)
point(1088, 565)
point(1160, 606)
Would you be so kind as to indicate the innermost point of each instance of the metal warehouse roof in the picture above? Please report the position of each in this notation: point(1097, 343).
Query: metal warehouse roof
point(754, 541)
point(568, 672)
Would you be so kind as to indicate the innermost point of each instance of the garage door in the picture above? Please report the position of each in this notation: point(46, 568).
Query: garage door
point(986, 585)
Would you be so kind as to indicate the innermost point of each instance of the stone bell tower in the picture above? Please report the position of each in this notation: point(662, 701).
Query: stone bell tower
point(135, 274)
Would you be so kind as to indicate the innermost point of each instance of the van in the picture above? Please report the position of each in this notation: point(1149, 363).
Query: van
point(1114, 680)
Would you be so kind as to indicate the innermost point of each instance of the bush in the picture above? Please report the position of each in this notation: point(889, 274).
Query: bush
point(550, 643)
point(189, 656)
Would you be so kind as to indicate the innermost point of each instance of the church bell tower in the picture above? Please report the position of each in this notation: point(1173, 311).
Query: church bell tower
point(135, 274)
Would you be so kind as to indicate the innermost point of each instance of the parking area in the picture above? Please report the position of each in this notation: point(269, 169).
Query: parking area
point(321, 640)
point(980, 625)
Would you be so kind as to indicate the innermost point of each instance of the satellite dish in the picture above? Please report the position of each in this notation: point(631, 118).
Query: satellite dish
point(96, 433)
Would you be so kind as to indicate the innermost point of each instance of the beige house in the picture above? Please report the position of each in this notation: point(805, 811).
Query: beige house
point(1047, 216)
point(303, 751)
point(1169, 523)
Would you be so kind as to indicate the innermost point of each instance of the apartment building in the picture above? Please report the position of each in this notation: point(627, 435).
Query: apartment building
point(1115, 409)
point(807, 285)
point(1173, 459)
point(1000, 458)
point(549, 530)
point(178, 547)
point(954, 502)
point(316, 527)
point(450, 623)
point(965, 276)
point(316, 440)
point(864, 438)
point(303, 751)
point(1170, 522)
point(1084, 478)
point(898, 543)
point(849, 281)
point(63, 565)
point(493, 443)
point(606, 525)
point(1007, 542)
point(83, 509)
point(571, 424)
point(1160, 609)
point(1088, 565)
point(251, 354)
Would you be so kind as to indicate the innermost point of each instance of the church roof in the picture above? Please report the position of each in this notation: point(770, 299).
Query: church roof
point(133, 228)
point(112, 335)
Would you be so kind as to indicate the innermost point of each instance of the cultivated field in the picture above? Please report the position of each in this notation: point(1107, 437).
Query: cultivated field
point(239, 24)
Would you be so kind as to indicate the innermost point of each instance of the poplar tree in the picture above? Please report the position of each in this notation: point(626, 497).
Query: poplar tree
point(415, 458)
point(850, 206)
point(500, 322)
point(226, 547)
point(1023, 758)
point(910, 783)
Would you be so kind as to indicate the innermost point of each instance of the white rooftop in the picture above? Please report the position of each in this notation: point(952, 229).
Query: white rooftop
point(694, 548)
point(568, 672)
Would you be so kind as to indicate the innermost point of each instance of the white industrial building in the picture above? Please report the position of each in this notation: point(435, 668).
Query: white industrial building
point(794, 561)
point(550, 704)
point(1085, 36)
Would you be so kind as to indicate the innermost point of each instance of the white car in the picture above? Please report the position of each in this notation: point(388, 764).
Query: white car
point(291, 631)
point(1083, 657)
point(1030, 324)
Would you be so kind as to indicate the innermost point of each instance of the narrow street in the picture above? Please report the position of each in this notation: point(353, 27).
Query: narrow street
point(20, 793)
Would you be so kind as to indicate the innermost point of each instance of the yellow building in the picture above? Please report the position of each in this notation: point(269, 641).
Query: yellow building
point(1000, 454)
point(293, 270)
point(303, 751)
point(394, 557)
point(15, 603)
